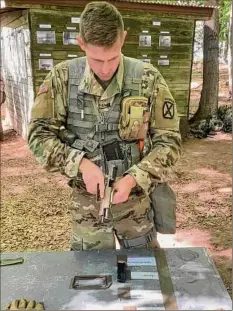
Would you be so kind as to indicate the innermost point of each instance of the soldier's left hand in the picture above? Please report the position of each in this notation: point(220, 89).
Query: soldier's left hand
point(23, 304)
point(122, 189)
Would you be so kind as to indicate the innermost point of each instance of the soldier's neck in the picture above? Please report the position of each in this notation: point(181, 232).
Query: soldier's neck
point(104, 84)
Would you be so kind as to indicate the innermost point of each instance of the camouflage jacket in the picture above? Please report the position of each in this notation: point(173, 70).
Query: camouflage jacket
point(49, 113)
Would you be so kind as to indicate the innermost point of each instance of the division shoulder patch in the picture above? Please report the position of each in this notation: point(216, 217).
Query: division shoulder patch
point(168, 109)
point(44, 87)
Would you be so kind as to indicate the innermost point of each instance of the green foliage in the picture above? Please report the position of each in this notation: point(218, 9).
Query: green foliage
point(224, 19)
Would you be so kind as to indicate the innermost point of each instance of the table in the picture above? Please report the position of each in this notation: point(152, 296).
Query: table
point(161, 279)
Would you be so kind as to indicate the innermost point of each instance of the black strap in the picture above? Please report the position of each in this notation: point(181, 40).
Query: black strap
point(142, 240)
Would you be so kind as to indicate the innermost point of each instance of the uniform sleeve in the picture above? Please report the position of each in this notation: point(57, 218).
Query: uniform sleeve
point(165, 138)
point(48, 114)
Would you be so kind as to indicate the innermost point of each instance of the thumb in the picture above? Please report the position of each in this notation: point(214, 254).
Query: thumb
point(116, 197)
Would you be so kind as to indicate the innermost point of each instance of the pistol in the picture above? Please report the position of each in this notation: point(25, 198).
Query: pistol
point(106, 202)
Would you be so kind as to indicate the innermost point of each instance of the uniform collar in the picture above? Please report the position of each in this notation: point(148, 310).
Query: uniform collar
point(90, 85)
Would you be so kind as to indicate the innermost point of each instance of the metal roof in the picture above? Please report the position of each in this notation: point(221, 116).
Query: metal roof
point(184, 8)
point(177, 3)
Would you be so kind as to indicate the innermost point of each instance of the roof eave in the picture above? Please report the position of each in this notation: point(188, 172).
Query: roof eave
point(197, 13)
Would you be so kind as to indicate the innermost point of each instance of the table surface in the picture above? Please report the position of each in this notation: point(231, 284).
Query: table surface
point(46, 276)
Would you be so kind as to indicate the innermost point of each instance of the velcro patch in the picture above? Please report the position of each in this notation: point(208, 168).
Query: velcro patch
point(44, 87)
point(168, 109)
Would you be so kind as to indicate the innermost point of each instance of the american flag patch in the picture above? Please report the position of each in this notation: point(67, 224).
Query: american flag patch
point(44, 87)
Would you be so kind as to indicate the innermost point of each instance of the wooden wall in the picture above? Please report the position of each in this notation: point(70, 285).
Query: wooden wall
point(17, 69)
point(179, 53)
point(24, 59)
point(57, 21)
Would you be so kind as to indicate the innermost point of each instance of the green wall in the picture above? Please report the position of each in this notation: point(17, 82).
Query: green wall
point(179, 53)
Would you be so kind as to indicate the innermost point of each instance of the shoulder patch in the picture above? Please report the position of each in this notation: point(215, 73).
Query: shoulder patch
point(44, 87)
point(168, 109)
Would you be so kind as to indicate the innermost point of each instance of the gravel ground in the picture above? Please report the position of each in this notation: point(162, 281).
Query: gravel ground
point(34, 214)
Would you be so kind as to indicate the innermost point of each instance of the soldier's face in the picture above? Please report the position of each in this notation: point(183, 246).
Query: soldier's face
point(103, 61)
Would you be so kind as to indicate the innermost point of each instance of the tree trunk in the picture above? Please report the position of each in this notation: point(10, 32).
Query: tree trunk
point(208, 104)
point(1, 128)
point(225, 50)
point(230, 53)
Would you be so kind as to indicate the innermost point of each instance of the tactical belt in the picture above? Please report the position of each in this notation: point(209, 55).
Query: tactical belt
point(142, 240)
point(106, 127)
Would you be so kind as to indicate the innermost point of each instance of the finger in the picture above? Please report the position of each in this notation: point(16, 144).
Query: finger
point(31, 305)
point(115, 186)
point(39, 306)
point(8, 307)
point(13, 305)
point(22, 304)
point(116, 198)
point(92, 188)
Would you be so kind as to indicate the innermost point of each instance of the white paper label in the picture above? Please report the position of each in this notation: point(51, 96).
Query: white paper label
point(72, 55)
point(151, 308)
point(144, 55)
point(163, 62)
point(156, 23)
point(45, 26)
point(43, 54)
point(141, 261)
point(162, 32)
point(145, 31)
point(75, 20)
point(163, 56)
point(147, 294)
point(71, 28)
point(136, 275)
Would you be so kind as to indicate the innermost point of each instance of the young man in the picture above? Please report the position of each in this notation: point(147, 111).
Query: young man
point(117, 113)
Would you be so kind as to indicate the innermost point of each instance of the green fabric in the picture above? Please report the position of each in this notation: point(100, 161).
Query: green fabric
point(7, 262)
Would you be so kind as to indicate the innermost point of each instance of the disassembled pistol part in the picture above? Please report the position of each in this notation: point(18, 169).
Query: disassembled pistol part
point(8, 261)
point(91, 282)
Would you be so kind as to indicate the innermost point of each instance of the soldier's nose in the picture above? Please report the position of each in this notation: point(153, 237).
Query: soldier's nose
point(105, 69)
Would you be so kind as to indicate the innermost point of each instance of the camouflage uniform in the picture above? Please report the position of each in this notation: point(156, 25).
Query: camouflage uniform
point(130, 220)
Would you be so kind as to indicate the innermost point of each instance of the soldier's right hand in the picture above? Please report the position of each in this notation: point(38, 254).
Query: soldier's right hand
point(92, 176)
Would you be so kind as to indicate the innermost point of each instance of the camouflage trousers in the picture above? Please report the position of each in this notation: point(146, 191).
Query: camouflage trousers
point(129, 220)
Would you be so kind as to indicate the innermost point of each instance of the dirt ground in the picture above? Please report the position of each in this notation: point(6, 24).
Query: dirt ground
point(34, 214)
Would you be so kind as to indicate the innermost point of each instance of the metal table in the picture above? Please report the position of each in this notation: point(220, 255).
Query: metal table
point(166, 279)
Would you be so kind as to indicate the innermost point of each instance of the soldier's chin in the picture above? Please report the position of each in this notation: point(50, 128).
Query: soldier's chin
point(105, 78)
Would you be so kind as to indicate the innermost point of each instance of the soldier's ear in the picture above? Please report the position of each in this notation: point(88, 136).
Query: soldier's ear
point(123, 36)
point(81, 43)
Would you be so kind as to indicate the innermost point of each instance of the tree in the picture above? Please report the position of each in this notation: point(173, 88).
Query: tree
point(224, 34)
point(208, 104)
point(230, 52)
point(2, 100)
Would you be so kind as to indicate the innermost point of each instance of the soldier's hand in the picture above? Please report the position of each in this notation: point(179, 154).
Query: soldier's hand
point(23, 304)
point(122, 188)
point(92, 176)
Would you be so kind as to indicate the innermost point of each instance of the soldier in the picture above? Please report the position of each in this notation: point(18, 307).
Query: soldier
point(81, 124)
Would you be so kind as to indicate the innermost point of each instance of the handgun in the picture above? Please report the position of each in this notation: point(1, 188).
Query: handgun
point(106, 202)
